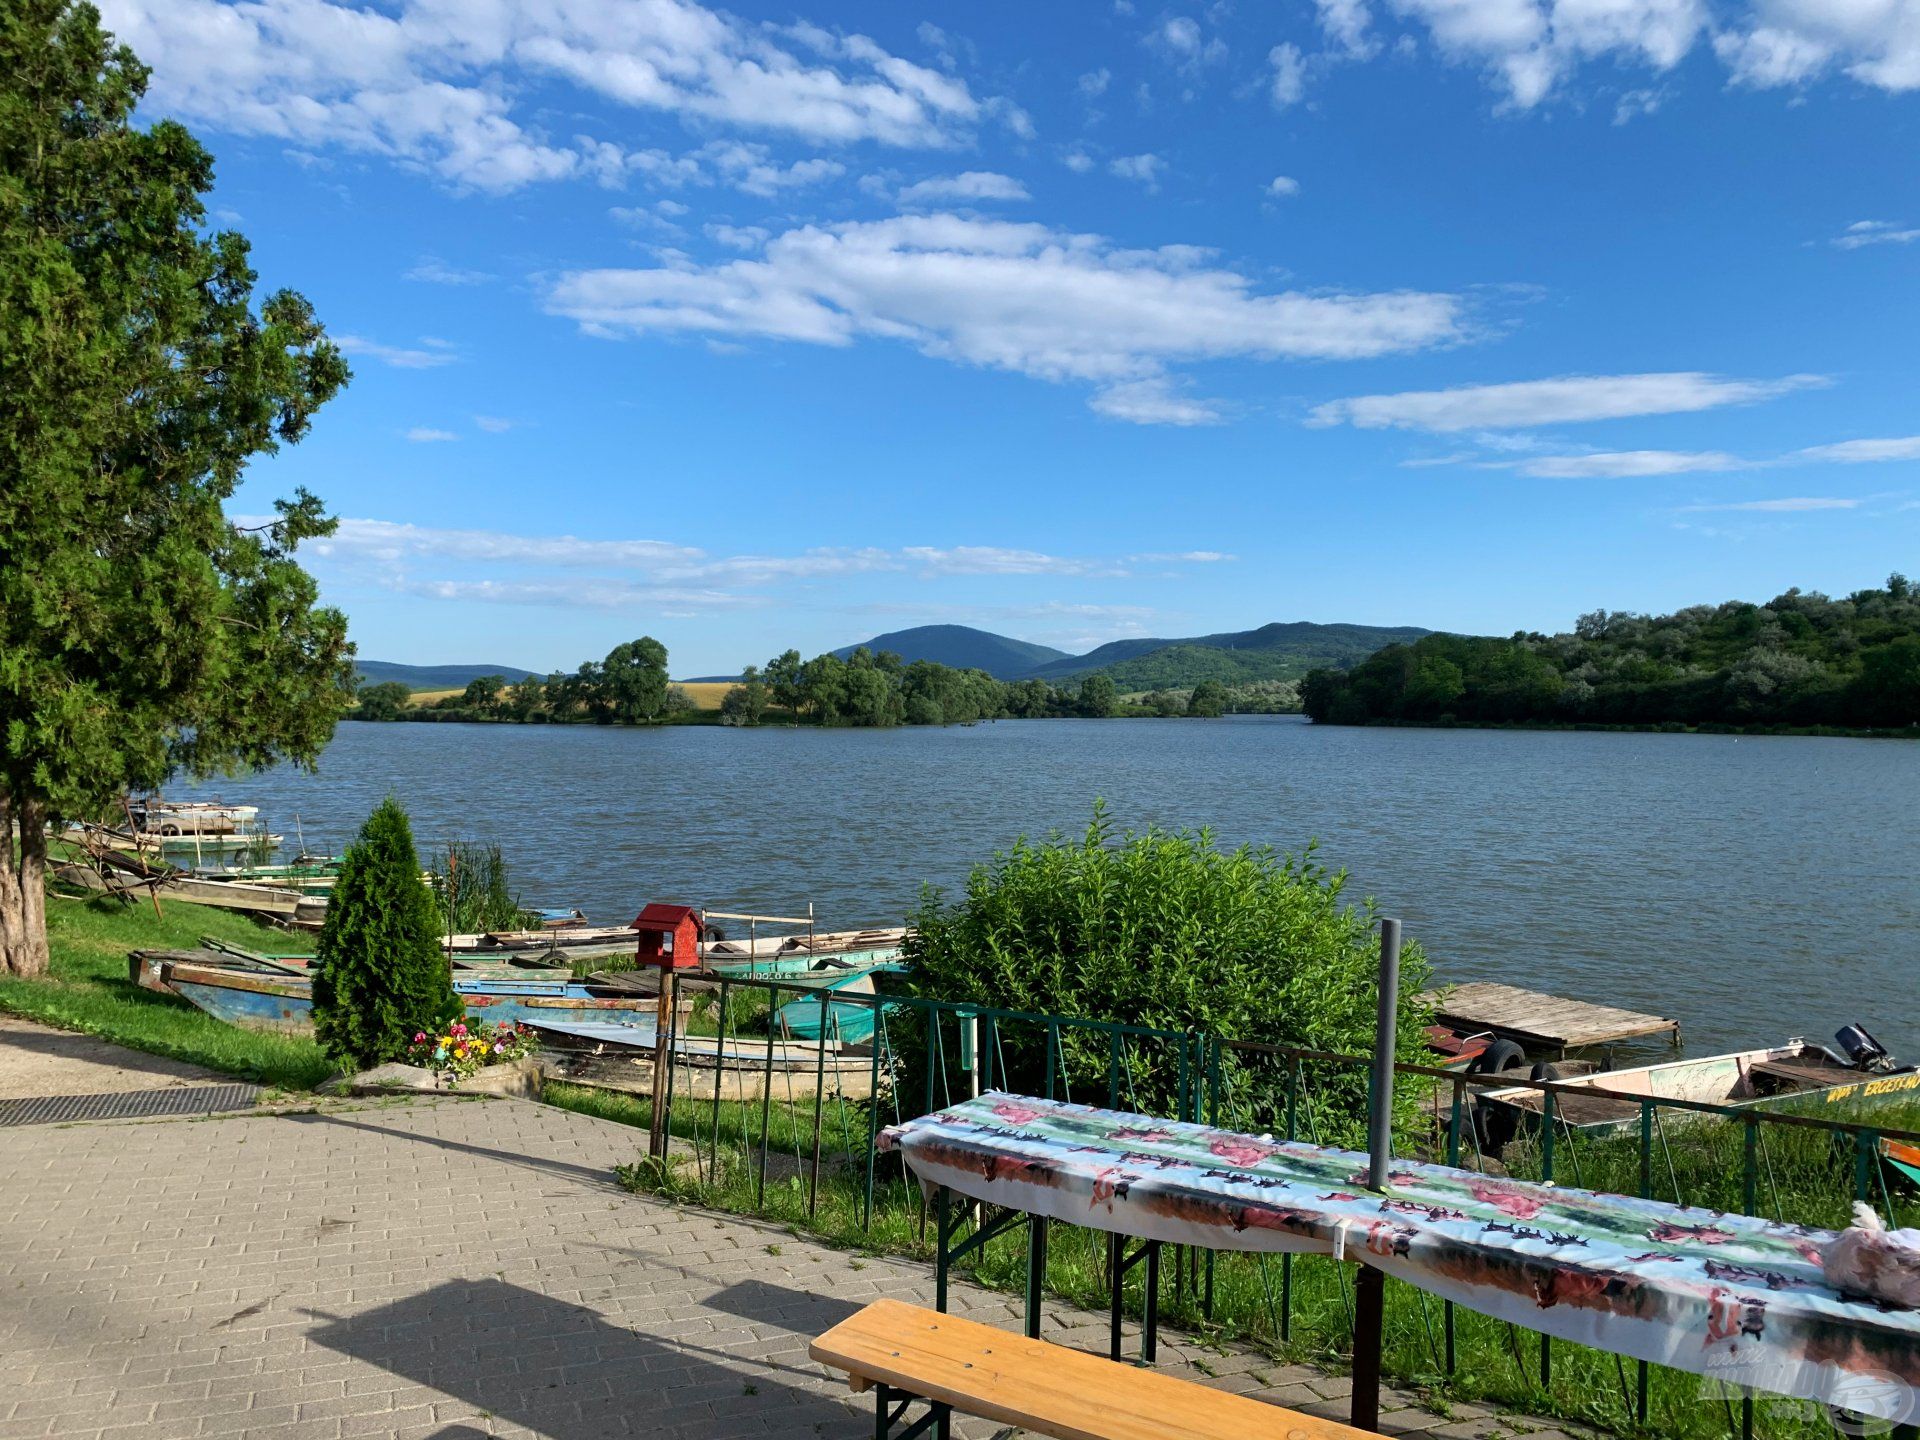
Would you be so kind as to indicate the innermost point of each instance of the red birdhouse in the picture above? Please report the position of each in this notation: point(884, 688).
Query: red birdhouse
point(669, 936)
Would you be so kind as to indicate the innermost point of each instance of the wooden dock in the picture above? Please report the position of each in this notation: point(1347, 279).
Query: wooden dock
point(1540, 1022)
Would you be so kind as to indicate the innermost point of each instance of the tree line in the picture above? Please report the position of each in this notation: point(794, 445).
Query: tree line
point(861, 689)
point(1802, 660)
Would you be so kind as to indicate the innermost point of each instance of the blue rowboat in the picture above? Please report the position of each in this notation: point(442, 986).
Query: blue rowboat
point(284, 1003)
point(848, 1021)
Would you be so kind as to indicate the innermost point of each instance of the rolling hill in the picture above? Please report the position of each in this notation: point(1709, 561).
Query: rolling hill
point(433, 677)
point(964, 648)
point(1280, 651)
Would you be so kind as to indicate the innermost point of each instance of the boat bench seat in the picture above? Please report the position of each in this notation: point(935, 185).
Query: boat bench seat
point(906, 1354)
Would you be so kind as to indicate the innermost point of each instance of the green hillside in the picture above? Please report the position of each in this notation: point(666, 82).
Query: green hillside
point(961, 647)
point(433, 677)
point(1280, 651)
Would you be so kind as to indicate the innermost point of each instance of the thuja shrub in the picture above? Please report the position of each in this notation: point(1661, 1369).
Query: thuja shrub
point(1167, 930)
point(381, 977)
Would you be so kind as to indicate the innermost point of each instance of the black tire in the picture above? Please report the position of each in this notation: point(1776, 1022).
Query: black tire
point(1499, 1058)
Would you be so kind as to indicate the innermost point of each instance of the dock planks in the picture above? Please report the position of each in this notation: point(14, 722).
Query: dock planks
point(1539, 1021)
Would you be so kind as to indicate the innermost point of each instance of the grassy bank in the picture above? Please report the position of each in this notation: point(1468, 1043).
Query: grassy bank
point(88, 989)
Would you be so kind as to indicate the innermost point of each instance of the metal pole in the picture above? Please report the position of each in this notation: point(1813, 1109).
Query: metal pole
point(1380, 1121)
point(1370, 1284)
point(662, 1055)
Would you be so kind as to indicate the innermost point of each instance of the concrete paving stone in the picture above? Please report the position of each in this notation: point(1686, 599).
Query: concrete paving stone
point(443, 1270)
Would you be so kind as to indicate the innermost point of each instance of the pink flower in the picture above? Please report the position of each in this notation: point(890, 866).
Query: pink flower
point(419, 1035)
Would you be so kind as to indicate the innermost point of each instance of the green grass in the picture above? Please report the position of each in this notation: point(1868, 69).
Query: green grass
point(88, 990)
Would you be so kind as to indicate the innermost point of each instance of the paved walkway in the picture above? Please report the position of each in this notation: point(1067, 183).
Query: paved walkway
point(36, 1060)
point(446, 1268)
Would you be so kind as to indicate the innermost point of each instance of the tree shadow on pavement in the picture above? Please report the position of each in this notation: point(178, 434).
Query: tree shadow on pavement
point(571, 1374)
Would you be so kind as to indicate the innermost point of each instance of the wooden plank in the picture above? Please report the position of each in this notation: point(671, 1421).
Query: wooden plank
point(1046, 1388)
point(1543, 1021)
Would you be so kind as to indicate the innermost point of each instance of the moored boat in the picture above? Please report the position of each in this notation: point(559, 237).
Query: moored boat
point(1857, 1076)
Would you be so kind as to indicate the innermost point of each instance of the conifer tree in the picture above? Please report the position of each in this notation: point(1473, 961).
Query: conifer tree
point(381, 976)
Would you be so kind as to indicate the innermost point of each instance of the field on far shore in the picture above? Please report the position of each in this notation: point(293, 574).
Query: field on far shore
point(705, 694)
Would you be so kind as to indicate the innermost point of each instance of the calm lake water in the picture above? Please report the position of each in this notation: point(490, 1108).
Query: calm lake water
point(1749, 887)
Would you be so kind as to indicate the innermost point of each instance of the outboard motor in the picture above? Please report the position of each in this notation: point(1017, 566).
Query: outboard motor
point(1861, 1048)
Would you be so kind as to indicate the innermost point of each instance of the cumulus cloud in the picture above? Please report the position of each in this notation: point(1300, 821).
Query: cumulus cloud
point(968, 185)
point(1564, 400)
point(1875, 232)
point(1094, 83)
point(1529, 48)
point(1288, 84)
point(433, 83)
point(1144, 169)
point(1021, 297)
point(1790, 42)
point(1283, 187)
point(1346, 25)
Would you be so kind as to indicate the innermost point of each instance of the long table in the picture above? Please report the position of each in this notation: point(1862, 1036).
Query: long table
point(1733, 1297)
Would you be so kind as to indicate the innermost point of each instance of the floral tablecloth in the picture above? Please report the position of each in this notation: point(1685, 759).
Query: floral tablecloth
point(1729, 1296)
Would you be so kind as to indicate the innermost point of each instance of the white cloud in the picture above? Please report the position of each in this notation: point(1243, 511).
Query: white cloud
point(1530, 48)
point(1564, 400)
point(1021, 297)
point(433, 271)
point(1628, 464)
point(1789, 505)
point(1789, 42)
point(738, 237)
point(493, 424)
point(1289, 83)
point(1180, 41)
point(569, 571)
point(1345, 23)
point(1875, 232)
point(401, 357)
point(424, 434)
point(1862, 452)
point(1094, 83)
point(1142, 168)
point(1153, 401)
point(1283, 187)
point(1077, 161)
point(968, 185)
point(1637, 104)
point(434, 83)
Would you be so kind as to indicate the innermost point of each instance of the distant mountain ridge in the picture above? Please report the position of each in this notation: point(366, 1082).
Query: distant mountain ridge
point(964, 648)
point(433, 677)
point(1278, 651)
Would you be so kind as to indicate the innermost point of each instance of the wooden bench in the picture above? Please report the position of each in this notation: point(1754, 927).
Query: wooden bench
point(904, 1353)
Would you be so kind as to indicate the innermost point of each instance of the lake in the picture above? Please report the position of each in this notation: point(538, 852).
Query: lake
point(1749, 887)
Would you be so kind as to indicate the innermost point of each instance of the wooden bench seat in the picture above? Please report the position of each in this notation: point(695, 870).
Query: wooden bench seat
point(1045, 1388)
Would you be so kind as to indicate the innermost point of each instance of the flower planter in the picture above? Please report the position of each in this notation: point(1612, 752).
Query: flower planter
point(518, 1079)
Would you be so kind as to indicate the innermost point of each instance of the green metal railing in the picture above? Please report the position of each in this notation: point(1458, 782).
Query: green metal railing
point(794, 1140)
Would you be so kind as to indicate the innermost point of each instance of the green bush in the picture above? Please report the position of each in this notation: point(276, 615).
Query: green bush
point(1164, 929)
point(380, 977)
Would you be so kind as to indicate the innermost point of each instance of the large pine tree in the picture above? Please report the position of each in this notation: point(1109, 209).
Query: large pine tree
point(142, 633)
point(381, 976)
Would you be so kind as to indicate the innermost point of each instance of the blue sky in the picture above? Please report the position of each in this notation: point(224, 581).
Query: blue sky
point(759, 327)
